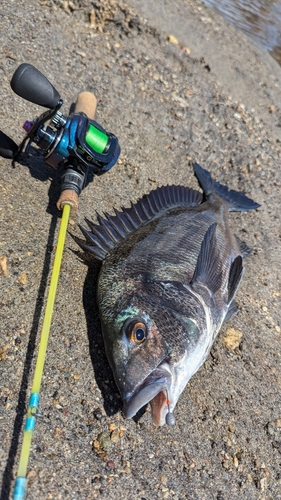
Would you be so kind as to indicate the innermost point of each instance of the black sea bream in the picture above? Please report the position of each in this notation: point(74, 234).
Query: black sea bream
point(171, 267)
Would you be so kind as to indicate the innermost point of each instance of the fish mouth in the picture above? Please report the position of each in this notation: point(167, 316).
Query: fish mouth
point(154, 390)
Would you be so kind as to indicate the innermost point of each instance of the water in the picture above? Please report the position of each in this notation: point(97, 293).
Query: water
point(259, 19)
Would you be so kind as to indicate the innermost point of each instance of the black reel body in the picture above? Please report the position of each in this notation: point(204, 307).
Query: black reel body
point(75, 142)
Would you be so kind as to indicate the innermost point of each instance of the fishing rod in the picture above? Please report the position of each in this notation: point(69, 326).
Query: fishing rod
point(77, 145)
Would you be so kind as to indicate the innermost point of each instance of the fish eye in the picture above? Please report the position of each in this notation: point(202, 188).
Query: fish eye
point(137, 332)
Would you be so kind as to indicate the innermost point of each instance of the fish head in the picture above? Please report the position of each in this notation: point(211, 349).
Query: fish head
point(152, 351)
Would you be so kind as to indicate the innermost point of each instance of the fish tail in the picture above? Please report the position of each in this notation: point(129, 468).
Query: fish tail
point(238, 202)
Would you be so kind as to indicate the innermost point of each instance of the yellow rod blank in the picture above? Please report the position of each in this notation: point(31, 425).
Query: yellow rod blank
point(50, 301)
point(20, 483)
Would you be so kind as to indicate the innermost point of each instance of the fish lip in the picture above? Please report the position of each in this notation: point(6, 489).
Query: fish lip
point(157, 381)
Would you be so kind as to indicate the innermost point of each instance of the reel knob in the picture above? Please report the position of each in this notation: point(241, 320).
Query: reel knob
point(30, 84)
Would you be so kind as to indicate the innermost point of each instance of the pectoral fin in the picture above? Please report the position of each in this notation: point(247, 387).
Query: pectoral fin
point(208, 271)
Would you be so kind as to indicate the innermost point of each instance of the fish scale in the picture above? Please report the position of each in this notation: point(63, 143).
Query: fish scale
point(171, 268)
point(167, 244)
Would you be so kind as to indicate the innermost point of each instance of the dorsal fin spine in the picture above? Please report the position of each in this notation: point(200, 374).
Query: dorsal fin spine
point(123, 221)
point(150, 205)
point(170, 197)
point(93, 239)
point(118, 228)
point(128, 215)
point(97, 231)
point(161, 197)
point(155, 201)
point(144, 209)
point(137, 213)
point(110, 230)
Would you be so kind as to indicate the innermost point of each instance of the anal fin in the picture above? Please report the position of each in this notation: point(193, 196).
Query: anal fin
point(232, 309)
point(235, 276)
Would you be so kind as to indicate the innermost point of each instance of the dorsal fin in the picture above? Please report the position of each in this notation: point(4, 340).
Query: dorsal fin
point(112, 229)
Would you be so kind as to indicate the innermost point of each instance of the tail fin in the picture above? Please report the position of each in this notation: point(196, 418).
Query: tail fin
point(238, 202)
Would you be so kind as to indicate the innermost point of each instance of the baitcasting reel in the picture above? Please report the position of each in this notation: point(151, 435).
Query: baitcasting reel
point(76, 142)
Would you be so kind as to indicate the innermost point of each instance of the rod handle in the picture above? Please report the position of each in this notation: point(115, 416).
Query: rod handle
point(86, 103)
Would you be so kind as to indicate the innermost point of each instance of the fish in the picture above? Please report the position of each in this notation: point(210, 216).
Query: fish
point(171, 268)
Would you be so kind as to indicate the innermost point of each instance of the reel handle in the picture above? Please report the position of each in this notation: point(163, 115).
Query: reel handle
point(30, 84)
point(86, 103)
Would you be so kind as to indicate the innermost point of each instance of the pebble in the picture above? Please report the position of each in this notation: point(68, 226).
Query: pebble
point(172, 39)
point(114, 436)
point(164, 479)
point(58, 432)
point(96, 444)
point(92, 18)
point(232, 339)
point(110, 464)
point(3, 265)
point(104, 441)
point(231, 428)
point(112, 427)
point(262, 483)
point(81, 53)
point(31, 476)
point(23, 279)
point(270, 429)
point(166, 494)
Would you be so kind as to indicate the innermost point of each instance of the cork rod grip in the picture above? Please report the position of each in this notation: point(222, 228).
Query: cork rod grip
point(86, 103)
